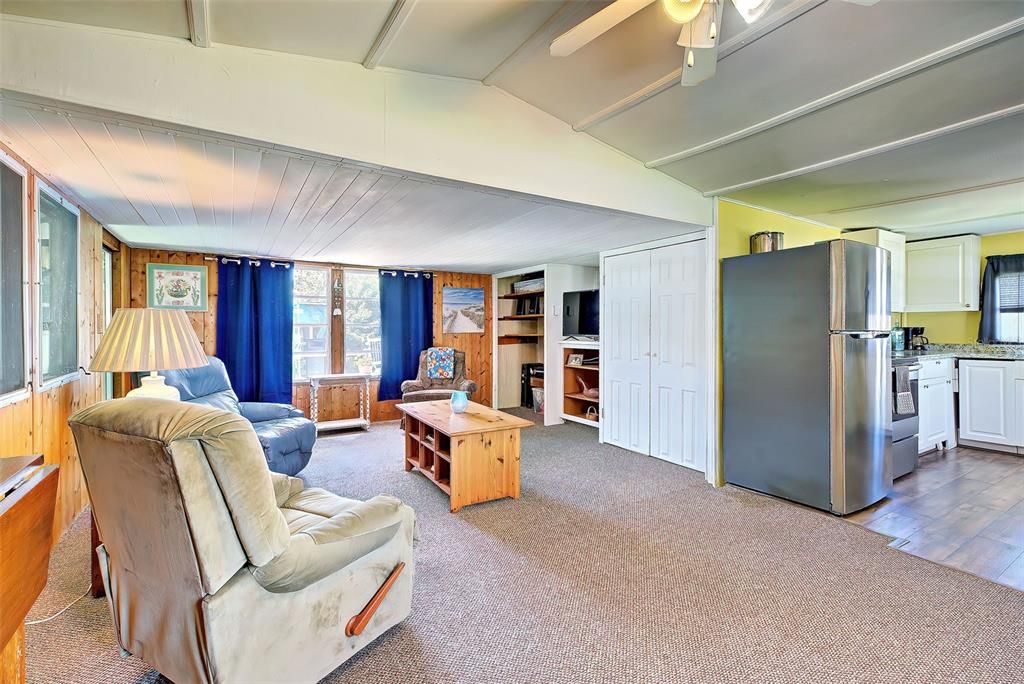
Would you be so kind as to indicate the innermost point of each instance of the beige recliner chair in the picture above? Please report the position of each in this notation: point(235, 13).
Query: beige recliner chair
point(218, 570)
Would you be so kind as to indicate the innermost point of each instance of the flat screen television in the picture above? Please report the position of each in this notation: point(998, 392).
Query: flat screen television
point(581, 313)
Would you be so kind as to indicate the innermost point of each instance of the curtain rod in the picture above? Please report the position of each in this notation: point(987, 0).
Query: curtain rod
point(238, 260)
point(414, 274)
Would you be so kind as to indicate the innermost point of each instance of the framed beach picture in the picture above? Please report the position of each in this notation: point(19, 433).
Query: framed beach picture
point(462, 309)
point(174, 286)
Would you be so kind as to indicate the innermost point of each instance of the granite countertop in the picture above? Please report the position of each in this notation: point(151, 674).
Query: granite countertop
point(1004, 352)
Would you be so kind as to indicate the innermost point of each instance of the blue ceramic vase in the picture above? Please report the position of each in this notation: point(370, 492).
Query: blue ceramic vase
point(459, 402)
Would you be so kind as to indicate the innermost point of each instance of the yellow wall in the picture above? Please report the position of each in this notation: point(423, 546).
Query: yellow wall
point(736, 223)
point(961, 327)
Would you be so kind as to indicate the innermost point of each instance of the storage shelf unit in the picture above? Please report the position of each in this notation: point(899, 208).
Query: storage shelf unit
point(577, 406)
point(520, 334)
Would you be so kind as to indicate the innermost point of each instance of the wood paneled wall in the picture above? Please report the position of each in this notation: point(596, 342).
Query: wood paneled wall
point(334, 402)
point(39, 423)
point(478, 347)
point(204, 322)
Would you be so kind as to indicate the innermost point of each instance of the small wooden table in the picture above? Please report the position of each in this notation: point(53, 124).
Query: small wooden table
point(362, 380)
point(471, 456)
point(28, 492)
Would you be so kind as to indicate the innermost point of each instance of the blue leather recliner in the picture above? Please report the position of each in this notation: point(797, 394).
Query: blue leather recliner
point(286, 435)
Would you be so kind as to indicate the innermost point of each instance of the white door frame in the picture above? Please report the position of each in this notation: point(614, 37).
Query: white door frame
point(710, 236)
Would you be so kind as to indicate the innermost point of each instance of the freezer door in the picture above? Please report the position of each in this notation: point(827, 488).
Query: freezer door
point(861, 421)
point(859, 285)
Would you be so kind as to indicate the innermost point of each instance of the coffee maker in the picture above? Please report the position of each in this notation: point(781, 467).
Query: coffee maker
point(913, 338)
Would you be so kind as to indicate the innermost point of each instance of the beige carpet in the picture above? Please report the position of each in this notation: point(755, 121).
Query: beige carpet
point(616, 568)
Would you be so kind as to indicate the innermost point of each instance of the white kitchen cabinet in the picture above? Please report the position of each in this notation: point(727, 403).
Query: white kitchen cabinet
point(937, 422)
point(943, 274)
point(895, 244)
point(992, 402)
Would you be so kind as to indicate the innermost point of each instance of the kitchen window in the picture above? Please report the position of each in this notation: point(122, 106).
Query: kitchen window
point(57, 274)
point(13, 281)
point(311, 322)
point(1002, 300)
point(362, 321)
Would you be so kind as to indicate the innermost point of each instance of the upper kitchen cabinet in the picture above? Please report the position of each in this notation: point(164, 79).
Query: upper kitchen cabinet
point(895, 244)
point(944, 274)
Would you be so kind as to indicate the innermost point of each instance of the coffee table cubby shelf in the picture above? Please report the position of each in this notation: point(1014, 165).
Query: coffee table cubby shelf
point(429, 452)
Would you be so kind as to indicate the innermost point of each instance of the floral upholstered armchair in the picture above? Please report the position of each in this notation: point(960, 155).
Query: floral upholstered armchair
point(427, 388)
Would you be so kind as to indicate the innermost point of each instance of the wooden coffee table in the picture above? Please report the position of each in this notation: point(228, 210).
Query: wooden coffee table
point(471, 456)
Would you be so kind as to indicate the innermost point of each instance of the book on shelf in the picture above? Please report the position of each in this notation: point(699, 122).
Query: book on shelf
point(531, 285)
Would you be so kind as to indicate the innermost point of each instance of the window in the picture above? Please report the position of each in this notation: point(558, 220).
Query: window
point(1010, 307)
point(57, 260)
point(362, 321)
point(13, 289)
point(311, 322)
point(108, 311)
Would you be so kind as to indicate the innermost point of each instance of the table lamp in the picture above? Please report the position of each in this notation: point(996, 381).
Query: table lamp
point(149, 340)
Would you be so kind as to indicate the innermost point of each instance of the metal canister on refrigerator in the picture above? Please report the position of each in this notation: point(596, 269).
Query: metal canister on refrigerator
point(766, 241)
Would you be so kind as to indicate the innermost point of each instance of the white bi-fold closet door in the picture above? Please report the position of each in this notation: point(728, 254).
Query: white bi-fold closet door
point(654, 363)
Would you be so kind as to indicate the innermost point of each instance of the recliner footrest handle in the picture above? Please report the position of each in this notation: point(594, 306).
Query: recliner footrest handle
point(359, 621)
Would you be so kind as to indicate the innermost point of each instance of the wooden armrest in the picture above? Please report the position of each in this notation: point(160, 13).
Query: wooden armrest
point(359, 621)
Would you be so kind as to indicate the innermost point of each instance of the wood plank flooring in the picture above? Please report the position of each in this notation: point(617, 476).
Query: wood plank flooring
point(963, 508)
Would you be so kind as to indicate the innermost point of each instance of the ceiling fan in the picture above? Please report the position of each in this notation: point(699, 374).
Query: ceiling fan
point(701, 22)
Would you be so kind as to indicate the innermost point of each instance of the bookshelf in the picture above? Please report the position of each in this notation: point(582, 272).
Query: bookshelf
point(578, 405)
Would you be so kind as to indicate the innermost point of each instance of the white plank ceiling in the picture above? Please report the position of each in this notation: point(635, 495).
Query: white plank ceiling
point(903, 114)
point(181, 189)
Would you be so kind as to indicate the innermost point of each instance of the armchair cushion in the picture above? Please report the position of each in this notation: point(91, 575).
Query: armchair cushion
point(287, 442)
point(322, 545)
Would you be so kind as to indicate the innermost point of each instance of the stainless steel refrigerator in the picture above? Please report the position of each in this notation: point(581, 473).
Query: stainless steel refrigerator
point(806, 374)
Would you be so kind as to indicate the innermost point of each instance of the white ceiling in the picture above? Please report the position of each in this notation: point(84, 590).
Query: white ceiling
point(902, 114)
point(178, 189)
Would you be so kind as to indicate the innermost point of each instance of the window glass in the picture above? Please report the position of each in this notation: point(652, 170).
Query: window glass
point(57, 236)
point(362, 321)
point(1010, 304)
point(12, 277)
point(311, 323)
point(108, 306)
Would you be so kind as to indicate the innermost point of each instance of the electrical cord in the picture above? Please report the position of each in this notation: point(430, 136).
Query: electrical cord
point(58, 613)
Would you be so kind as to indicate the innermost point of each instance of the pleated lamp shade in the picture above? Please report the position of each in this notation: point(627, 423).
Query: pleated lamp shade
point(148, 340)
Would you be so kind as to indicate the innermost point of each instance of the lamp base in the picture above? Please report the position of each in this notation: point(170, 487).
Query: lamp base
point(153, 387)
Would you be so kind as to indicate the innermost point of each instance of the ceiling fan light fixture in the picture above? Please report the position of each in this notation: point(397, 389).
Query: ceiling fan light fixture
point(682, 11)
point(751, 10)
point(701, 31)
point(689, 58)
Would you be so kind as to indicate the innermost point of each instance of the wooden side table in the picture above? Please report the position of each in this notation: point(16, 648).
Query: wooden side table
point(362, 380)
point(29, 491)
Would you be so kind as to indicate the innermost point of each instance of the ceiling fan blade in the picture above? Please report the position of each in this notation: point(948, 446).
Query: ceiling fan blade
point(705, 62)
point(589, 29)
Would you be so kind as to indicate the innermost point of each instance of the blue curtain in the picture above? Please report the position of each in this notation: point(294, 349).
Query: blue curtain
point(406, 327)
point(254, 327)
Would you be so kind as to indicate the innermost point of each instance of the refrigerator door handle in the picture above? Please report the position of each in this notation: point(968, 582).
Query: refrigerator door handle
point(868, 335)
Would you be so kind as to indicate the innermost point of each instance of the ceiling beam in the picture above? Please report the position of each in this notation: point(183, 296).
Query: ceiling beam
point(867, 85)
point(389, 32)
point(932, 195)
point(741, 40)
point(567, 16)
point(877, 149)
point(198, 12)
